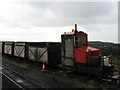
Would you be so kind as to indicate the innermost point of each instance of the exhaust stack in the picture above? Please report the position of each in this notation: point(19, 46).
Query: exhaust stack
point(76, 39)
point(75, 27)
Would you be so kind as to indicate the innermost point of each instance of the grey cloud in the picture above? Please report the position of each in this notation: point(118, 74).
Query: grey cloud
point(28, 20)
point(80, 9)
point(69, 13)
point(65, 14)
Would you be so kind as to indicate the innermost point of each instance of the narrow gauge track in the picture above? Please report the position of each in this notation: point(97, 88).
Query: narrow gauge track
point(114, 78)
point(32, 84)
point(110, 79)
point(10, 83)
point(20, 80)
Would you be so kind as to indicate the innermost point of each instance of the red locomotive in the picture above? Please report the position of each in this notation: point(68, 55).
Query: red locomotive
point(78, 56)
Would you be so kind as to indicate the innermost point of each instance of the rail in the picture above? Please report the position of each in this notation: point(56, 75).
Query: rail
point(14, 76)
point(12, 81)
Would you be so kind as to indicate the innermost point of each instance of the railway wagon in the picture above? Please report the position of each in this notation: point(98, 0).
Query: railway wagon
point(16, 49)
point(7, 48)
point(44, 52)
point(19, 49)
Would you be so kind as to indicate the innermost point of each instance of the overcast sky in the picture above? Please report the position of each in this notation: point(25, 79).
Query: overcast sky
point(46, 21)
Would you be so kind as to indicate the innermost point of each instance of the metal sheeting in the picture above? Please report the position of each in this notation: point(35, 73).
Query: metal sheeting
point(67, 50)
point(38, 54)
point(19, 51)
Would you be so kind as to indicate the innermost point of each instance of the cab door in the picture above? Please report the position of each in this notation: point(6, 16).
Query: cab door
point(68, 50)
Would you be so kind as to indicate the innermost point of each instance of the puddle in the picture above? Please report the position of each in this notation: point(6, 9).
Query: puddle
point(116, 76)
point(109, 80)
point(19, 81)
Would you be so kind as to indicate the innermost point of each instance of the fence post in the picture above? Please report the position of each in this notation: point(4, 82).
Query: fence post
point(3, 46)
point(26, 51)
point(12, 51)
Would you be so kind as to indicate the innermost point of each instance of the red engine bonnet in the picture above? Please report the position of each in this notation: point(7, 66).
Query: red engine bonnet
point(85, 51)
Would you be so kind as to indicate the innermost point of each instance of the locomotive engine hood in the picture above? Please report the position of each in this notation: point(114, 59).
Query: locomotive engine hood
point(88, 49)
point(83, 53)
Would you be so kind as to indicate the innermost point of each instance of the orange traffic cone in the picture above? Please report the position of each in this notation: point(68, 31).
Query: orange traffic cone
point(43, 68)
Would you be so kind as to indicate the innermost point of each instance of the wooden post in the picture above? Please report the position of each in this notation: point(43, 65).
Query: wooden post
point(12, 51)
point(3, 43)
point(26, 51)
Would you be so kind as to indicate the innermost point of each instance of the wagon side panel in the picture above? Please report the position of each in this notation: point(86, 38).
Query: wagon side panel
point(19, 51)
point(8, 49)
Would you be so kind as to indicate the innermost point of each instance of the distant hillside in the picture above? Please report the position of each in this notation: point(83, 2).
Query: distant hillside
point(99, 43)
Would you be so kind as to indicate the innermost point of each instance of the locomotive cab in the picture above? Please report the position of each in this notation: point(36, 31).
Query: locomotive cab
point(75, 50)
